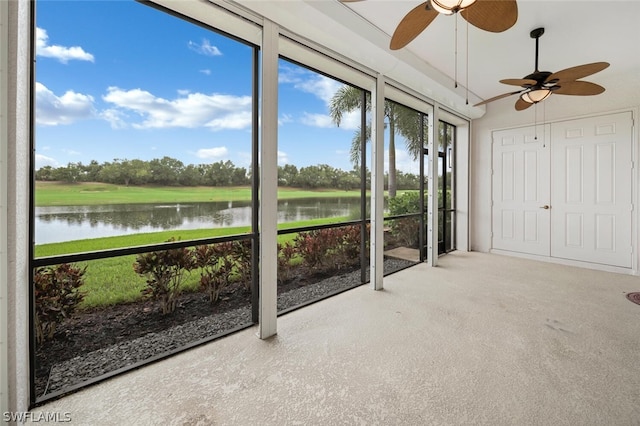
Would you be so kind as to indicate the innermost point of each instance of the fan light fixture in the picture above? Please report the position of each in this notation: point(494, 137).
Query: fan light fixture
point(449, 7)
point(536, 95)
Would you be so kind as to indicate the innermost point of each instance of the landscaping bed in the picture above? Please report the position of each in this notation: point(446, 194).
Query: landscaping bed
point(98, 341)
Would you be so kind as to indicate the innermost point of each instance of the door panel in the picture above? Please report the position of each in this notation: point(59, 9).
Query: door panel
point(521, 190)
point(592, 190)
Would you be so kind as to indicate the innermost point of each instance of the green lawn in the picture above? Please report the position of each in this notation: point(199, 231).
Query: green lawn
point(111, 281)
point(63, 194)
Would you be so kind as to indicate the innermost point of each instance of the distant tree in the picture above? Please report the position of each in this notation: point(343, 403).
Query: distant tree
point(125, 172)
point(240, 177)
point(287, 175)
point(165, 171)
point(92, 171)
point(45, 173)
point(191, 176)
point(70, 173)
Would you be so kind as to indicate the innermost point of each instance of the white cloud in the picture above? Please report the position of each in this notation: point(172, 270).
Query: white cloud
point(320, 86)
point(206, 71)
point(235, 121)
point(244, 158)
point(52, 110)
point(404, 161)
point(216, 153)
point(183, 92)
point(43, 161)
point(71, 152)
point(61, 53)
point(283, 158)
point(350, 120)
point(216, 111)
point(310, 82)
point(317, 120)
point(287, 74)
point(206, 48)
point(285, 118)
point(115, 117)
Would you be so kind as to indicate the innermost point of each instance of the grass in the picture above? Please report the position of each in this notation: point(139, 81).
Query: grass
point(111, 281)
point(90, 193)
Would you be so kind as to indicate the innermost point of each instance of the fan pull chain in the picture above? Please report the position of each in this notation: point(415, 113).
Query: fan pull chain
point(544, 120)
point(535, 121)
point(455, 75)
point(467, 71)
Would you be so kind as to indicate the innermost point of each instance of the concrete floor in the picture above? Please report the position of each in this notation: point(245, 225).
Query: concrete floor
point(481, 339)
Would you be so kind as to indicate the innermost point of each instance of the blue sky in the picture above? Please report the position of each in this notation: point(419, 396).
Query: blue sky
point(117, 79)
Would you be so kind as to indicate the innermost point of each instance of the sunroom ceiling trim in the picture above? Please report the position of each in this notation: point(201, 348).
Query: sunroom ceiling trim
point(339, 29)
point(234, 21)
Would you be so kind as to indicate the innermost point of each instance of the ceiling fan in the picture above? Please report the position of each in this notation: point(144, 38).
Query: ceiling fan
point(489, 15)
point(539, 85)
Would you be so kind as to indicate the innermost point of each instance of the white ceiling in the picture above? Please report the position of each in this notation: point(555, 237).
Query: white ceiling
point(576, 32)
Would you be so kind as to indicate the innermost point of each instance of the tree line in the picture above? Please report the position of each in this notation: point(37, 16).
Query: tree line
point(168, 171)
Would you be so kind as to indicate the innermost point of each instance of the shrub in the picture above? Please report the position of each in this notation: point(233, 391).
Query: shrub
point(315, 246)
point(216, 265)
point(332, 247)
point(165, 271)
point(57, 296)
point(242, 255)
point(286, 253)
point(350, 248)
point(405, 230)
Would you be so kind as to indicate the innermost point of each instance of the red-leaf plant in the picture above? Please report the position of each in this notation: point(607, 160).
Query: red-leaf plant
point(57, 296)
point(165, 271)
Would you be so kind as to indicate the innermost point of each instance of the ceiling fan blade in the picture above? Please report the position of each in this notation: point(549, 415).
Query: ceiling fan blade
point(579, 88)
point(492, 15)
point(580, 71)
point(412, 25)
point(519, 81)
point(521, 105)
point(349, 1)
point(495, 98)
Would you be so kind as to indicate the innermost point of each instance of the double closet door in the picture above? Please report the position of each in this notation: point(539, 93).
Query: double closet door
point(565, 190)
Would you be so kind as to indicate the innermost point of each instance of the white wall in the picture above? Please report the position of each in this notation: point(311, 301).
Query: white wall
point(501, 114)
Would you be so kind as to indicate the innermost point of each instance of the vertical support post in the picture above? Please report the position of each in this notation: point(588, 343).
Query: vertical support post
point(16, 42)
point(432, 210)
point(377, 185)
point(422, 224)
point(4, 247)
point(255, 186)
point(269, 183)
point(363, 188)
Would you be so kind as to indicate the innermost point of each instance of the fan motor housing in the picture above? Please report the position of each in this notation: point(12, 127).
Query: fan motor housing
point(539, 76)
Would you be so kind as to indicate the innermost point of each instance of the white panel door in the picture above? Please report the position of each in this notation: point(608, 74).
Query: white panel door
point(591, 201)
point(520, 221)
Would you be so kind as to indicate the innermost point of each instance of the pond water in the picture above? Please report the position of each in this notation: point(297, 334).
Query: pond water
point(68, 223)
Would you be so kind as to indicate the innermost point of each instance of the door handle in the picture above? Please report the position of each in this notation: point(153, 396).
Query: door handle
point(546, 207)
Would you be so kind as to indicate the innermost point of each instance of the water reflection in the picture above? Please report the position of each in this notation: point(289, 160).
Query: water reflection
point(68, 223)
